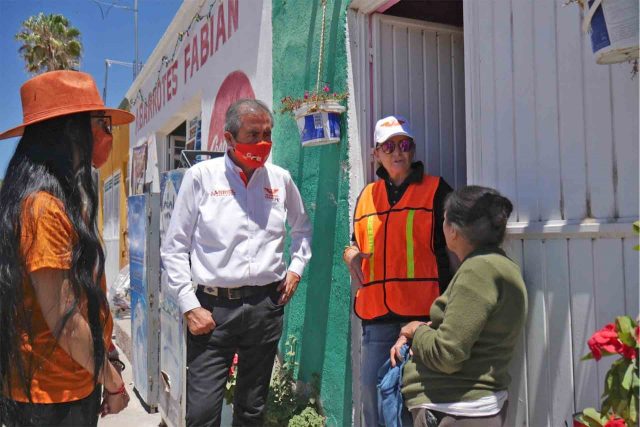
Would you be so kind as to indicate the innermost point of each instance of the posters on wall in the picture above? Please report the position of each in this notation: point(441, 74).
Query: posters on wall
point(144, 172)
point(144, 256)
point(194, 134)
point(172, 343)
point(138, 169)
point(138, 276)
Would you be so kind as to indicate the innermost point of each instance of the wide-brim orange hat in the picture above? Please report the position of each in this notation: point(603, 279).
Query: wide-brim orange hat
point(60, 93)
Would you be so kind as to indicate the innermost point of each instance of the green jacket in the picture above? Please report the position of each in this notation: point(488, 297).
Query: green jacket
point(465, 353)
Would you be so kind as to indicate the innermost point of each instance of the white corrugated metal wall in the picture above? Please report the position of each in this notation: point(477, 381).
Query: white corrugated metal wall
point(558, 134)
point(418, 72)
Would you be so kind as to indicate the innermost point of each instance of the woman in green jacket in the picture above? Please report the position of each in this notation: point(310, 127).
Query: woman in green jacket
point(458, 375)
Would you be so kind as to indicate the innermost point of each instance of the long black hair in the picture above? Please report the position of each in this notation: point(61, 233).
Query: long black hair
point(44, 161)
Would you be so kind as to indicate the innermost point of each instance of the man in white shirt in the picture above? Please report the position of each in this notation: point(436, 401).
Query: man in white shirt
point(226, 235)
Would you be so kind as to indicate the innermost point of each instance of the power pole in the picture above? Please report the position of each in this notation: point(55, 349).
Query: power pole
point(137, 66)
point(136, 61)
point(107, 64)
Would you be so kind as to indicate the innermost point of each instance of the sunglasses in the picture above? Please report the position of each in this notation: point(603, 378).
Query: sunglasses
point(104, 122)
point(389, 147)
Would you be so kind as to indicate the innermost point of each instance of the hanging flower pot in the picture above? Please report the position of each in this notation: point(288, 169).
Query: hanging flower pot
point(318, 113)
point(614, 29)
point(319, 122)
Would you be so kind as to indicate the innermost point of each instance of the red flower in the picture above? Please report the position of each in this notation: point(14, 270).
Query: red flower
point(232, 368)
point(628, 352)
point(606, 339)
point(306, 95)
point(615, 422)
point(326, 88)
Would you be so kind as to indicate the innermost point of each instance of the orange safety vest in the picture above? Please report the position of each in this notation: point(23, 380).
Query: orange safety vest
point(401, 276)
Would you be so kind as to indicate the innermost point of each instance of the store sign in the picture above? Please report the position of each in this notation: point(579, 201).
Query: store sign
point(199, 44)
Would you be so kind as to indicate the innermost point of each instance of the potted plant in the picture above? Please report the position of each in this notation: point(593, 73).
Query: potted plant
point(317, 115)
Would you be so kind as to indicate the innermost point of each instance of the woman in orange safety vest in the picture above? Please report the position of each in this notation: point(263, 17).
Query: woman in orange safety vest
point(398, 258)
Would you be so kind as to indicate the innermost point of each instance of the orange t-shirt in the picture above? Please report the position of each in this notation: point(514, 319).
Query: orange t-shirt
point(46, 242)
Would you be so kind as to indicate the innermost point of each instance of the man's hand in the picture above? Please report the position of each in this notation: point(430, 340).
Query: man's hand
point(353, 258)
point(200, 321)
point(288, 286)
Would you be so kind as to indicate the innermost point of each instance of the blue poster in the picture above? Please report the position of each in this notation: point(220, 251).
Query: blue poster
point(137, 222)
point(172, 345)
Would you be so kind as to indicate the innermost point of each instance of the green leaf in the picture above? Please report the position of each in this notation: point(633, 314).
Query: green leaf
point(592, 418)
point(608, 381)
point(626, 330)
point(627, 379)
point(636, 227)
point(587, 356)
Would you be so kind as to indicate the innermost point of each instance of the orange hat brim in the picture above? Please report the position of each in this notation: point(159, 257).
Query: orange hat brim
point(118, 117)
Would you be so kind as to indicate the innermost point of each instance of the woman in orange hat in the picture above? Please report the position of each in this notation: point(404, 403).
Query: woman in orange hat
point(55, 324)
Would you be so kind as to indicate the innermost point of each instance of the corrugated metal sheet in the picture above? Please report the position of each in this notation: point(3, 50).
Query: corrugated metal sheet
point(575, 286)
point(558, 134)
point(547, 125)
point(418, 72)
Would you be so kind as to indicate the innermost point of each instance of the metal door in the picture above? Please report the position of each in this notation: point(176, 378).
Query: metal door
point(418, 72)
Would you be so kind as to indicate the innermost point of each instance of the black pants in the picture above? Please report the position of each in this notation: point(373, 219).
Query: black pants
point(83, 412)
point(251, 327)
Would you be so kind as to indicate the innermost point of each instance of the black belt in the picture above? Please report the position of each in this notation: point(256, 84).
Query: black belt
point(238, 293)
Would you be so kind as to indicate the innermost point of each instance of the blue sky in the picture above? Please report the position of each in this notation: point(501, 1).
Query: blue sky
point(110, 37)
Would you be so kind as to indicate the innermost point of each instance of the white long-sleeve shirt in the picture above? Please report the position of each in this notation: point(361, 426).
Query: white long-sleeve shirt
point(233, 234)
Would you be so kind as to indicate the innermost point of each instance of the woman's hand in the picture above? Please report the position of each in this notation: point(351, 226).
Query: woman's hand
point(113, 403)
point(409, 330)
point(395, 350)
point(353, 258)
point(114, 396)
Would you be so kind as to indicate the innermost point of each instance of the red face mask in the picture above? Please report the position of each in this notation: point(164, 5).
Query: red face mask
point(253, 155)
point(102, 143)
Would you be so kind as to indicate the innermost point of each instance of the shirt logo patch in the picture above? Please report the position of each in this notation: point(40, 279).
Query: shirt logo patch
point(271, 194)
point(222, 192)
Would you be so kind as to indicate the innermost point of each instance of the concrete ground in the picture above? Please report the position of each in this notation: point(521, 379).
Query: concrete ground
point(134, 414)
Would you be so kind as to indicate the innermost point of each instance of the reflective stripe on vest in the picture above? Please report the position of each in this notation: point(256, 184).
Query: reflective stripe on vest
point(401, 276)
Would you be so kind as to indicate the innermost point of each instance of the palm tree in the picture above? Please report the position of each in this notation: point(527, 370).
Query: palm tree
point(49, 43)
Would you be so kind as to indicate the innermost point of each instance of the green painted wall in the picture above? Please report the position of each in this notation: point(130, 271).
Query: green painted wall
point(318, 315)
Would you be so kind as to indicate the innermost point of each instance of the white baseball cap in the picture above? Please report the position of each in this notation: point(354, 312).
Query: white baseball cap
point(391, 126)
